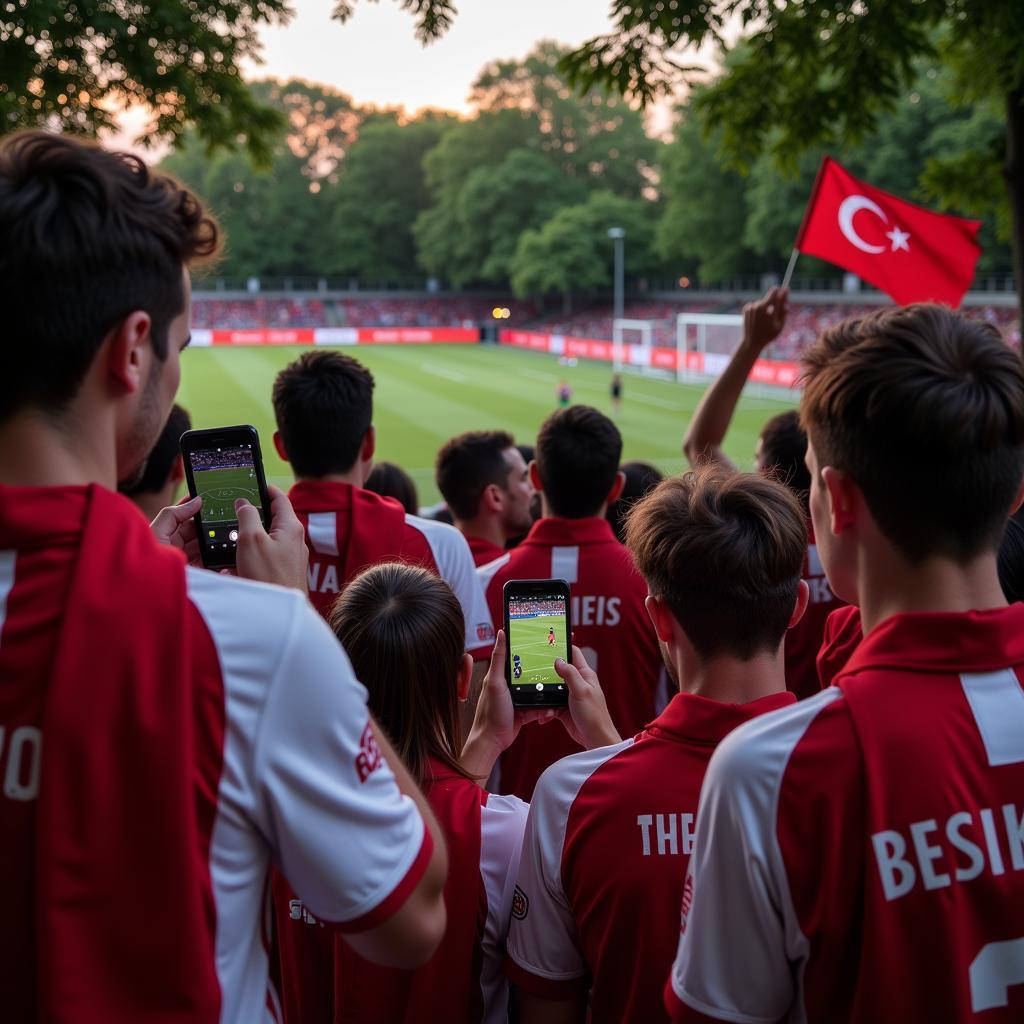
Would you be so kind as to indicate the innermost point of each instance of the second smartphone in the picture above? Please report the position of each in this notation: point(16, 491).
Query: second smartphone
point(537, 630)
point(223, 464)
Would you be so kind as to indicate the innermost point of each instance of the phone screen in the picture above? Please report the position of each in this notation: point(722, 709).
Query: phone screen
point(222, 475)
point(537, 628)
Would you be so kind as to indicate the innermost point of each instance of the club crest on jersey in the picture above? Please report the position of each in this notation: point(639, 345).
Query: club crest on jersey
point(520, 904)
point(369, 757)
point(484, 631)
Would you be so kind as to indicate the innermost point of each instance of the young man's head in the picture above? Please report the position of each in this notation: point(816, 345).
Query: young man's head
point(915, 422)
point(782, 453)
point(577, 463)
point(722, 554)
point(323, 403)
point(482, 475)
point(94, 250)
point(163, 471)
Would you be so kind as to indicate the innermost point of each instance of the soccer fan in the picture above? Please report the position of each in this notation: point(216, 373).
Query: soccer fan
point(722, 554)
point(391, 481)
point(402, 628)
point(165, 732)
point(163, 472)
point(640, 477)
point(860, 857)
point(577, 473)
point(323, 403)
point(485, 482)
point(780, 452)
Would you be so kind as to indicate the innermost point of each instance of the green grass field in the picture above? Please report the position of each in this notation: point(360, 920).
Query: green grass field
point(529, 639)
point(427, 394)
point(220, 487)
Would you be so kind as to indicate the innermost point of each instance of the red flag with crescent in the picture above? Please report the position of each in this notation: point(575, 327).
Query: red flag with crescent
point(910, 253)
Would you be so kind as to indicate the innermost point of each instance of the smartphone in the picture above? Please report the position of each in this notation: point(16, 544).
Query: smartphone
point(537, 630)
point(223, 464)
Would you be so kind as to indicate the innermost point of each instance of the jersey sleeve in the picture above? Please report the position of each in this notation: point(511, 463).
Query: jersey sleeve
point(349, 843)
point(732, 962)
point(544, 956)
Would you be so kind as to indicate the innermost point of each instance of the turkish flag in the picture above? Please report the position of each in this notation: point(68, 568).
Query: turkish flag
point(910, 253)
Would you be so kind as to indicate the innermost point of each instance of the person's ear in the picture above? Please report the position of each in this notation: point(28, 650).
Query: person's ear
point(535, 476)
point(369, 444)
point(129, 352)
point(465, 676)
point(177, 470)
point(279, 446)
point(492, 498)
point(620, 482)
point(843, 498)
point(803, 596)
point(1018, 501)
point(661, 617)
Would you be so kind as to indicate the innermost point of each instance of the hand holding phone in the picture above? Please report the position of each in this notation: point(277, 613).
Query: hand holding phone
point(539, 631)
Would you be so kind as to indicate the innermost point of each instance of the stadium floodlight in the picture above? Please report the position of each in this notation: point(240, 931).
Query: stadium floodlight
point(618, 236)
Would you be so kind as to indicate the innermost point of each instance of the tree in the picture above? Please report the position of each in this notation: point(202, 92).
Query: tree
point(74, 65)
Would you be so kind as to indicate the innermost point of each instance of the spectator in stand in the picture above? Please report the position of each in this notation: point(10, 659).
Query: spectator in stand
point(486, 485)
point(640, 477)
point(780, 452)
point(721, 553)
point(323, 403)
point(402, 627)
point(860, 853)
point(163, 472)
point(391, 481)
point(197, 726)
point(577, 474)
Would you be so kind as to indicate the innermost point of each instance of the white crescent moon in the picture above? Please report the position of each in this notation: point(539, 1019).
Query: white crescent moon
point(851, 205)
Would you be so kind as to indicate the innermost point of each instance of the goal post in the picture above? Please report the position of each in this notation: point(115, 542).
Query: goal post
point(631, 344)
point(705, 343)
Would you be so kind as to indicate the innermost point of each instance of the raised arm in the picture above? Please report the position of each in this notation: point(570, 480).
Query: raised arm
point(762, 323)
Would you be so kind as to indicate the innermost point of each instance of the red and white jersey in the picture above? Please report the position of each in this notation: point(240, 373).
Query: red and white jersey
point(604, 859)
point(843, 634)
point(483, 551)
point(860, 856)
point(324, 979)
point(609, 622)
point(803, 641)
point(278, 763)
point(348, 529)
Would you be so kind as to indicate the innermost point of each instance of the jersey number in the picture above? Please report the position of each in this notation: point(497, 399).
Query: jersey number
point(995, 969)
point(21, 776)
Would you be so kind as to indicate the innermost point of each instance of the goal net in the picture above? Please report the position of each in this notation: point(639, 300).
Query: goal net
point(705, 343)
point(632, 344)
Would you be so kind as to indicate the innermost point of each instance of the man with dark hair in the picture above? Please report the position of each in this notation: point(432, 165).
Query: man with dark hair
point(721, 553)
point(165, 732)
point(861, 855)
point(485, 482)
point(780, 452)
point(577, 474)
point(323, 403)
point(163, 471)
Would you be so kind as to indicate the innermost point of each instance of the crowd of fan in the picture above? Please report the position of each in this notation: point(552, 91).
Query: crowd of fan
point(229, 458)
point(793, 702)
point(534, 607)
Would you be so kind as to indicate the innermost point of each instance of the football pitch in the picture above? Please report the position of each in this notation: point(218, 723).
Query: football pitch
point(426, 394)
point(529, 639)
point(220, 487)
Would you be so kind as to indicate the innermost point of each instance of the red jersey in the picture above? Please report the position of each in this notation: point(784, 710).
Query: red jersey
point(348, 529)
point(164, 733)
point(843, 634)
point(324, 979)
point(609, 622)
point(594, 883)
point(861, 855)
point(483, 551)
point(803, 641)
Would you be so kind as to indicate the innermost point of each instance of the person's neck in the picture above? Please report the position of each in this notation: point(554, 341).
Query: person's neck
point(546, 511)
point(731, 680)
point(42, 450)
point(889, 585)
point(483, 528)
point(355, 476)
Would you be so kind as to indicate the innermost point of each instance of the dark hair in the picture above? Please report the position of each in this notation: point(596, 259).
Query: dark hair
point(1010, 560)
point(392, 481)
point(641, 477)
point(924, 409)
point(467, 464)
point(578, 452)
point(783, 453)
point(404, 633)
point(86, 238)
point(527, 451)
point(323, 403)
point(725, 551)
point(161, 459)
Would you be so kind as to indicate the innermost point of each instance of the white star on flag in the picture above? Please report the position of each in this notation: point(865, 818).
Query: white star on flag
point(899, 239)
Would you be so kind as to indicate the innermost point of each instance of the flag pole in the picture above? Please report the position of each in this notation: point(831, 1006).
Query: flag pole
point(789, 270)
